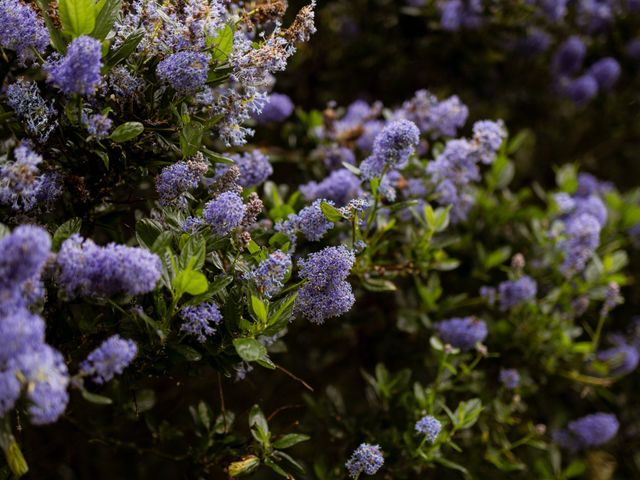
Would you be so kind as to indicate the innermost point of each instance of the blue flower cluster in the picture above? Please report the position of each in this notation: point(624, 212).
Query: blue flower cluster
point(79, 70)
point(197, 321)
point(461, 14)
point(22, 30)
point(599, 77)
point(254, 167)
point(176, 180)
point(326, 293)
point(367, 459)
point(433, 117)
point(621, 359)
point(25, 99)
point(22, 186)
point(516, 292)
point(268, 276)
point(311, 221)
point(456, 168)
point(27, 363)
point(87, 270)
point(589, 431)
point(186, 72)
point(463, 333)
point(224, 213)
point(429, 426)
point(392, 147)
point(510, 378)
point(109, 359)
point(340, 186)
point(279, 107)
point(97, 125)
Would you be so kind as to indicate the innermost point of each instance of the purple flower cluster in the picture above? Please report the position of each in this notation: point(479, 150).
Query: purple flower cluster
point(367, 459)
point(38, 115)
point(429, 426)
point(621, 359)
point(21, 184)
point(463, 333)
point(584, 215)
point(391, 147)
point(27, 363)
point(109, 359)
point(45, 378)
point(510, 378)
point(176, 180)
point(334, 156)
point(311, 221)
point(97, 125)
point(279, 107)
point(186, 72)
point(340, 186)
point(583, 237)
point(79, 70)
point(269, 275)
point(326, 293)
point(460, 14)
point(86, 269)
point(516, 292)
point(457, 166)
point(224, 213)
point(198, 320)
point(434, 117)
point(254, 167)
point(589, 431)
point(599, 77)
point(22, 30)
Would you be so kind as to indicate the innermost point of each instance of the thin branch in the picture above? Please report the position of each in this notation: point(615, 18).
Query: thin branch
point(305, 384)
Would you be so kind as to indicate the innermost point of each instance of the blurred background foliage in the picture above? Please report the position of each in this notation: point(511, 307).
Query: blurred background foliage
point(385, 50)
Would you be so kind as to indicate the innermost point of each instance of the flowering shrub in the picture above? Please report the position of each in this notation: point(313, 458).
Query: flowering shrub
point(161, 276)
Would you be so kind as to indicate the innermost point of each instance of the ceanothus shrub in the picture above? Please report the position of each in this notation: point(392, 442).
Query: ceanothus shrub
point(160, 276)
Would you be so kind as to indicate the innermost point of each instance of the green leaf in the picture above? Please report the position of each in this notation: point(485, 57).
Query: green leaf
point(567, 178)
point(193, 253)
point(497, 257)
point(191, 282)
point(253, 247)
point(222, 44)
point(124, 50)
point(126, 131)
point(284, 309)
point(109, 11)
point(191, 354)
point(277, 468)
point(290, 440)
point(13, 454)
point(147, 231)
point(78, 17)
point(466, 415)
point(259, 308)
point(216, 157)
point(191, 138)
point(378, 285)
point(257, 419)
point(331, 213)
point(64, 231)
point(104, 156)
point(249, 349)
point(452, 465)
point(95, 398)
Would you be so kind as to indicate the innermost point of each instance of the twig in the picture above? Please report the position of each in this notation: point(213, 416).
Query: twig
point(305, 384)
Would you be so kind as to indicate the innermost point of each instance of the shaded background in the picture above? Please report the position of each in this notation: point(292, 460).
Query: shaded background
point(380, 50)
